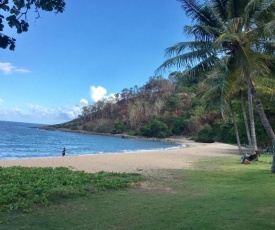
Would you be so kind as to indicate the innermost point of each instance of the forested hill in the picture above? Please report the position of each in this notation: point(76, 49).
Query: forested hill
point(178, 105)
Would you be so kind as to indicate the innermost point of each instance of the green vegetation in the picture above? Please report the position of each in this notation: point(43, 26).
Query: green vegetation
point(184, 110)
point(21, 187)
point(205, 135)
point(119, 127)
point(217, 194)
point(155, 129)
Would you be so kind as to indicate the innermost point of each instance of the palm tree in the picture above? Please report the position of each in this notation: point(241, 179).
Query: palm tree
point(225, 90)
point(242, 31)
point(245, 121)
point(235, 127)
point(222, 89)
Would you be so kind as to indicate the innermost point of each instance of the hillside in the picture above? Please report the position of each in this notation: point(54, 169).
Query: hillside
point(179, 105)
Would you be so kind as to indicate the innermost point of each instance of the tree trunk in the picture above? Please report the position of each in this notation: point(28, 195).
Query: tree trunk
point(264, 121)
point(262, 115)
point(251, 117)
point(246, 122)
point(273, 164)
point(236, 128)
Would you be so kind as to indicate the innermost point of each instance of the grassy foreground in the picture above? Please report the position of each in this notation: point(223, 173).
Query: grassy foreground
point(218, 193)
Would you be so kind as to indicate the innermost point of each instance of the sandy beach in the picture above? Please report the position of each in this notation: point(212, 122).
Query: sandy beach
point(142, 162)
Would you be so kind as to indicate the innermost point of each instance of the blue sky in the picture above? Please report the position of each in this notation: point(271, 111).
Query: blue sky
point(92, 50)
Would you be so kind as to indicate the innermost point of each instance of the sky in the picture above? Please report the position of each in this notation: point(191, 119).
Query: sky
point(94, 49)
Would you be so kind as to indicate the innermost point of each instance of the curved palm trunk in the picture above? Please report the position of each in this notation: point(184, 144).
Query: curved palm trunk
point(246, 122)
point(236, 128)
point(262, 115)
point(251, 117)
point(264, 121)
point(273, 164)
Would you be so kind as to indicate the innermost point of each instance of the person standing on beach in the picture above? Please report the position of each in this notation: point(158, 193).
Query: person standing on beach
point(63, 152)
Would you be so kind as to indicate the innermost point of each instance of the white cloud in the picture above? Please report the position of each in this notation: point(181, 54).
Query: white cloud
point(12, 112)
point(1, 100)
point(41, 110)
point(69, 112)
point(84, 102)
point(97, 93)
point(113, 98)
point(8, 68)
point(65, 113)
point(34, 113)
point(41, 114)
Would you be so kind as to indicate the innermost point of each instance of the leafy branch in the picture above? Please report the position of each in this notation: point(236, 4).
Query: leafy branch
point(17, 16)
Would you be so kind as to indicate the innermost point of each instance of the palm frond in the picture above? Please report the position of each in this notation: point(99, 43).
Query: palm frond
point(218, 10)
point(220, 89)
point(181, 47)
point(265, 47)
point(183, 60)
point(220, 6)
point(269, 29)
point(253, 5)
point(260, 11)
point(251, 9)
point(207, 64)
point(198, 12)
point(266, 85)
point(203, 32)
point(235, 8)
point(253, 61)
point(245, 58)
point(265, 31)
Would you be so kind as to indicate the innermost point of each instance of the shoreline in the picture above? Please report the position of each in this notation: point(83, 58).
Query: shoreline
point(135, 162)
point(172, 139)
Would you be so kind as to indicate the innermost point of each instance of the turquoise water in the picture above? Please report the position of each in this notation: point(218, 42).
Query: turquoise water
point(24, 140)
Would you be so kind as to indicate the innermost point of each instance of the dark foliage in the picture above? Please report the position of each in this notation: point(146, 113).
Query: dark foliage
point(17, 12)
point(205, 135)
point(155, 129)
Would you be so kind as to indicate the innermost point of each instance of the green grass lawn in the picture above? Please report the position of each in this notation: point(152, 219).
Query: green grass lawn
point(218, 193)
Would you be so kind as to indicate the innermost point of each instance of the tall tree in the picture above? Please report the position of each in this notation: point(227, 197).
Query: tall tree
point(226, 91)
point(246, 122)
point(15, 15)
point(235, 127)
point(243, 31)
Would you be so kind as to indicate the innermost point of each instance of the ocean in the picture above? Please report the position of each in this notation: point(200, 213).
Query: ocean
point(24, 140)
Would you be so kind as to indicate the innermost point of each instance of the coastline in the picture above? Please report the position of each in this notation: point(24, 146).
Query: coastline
point(180, 140)
point(173, 139)
point(141, 162)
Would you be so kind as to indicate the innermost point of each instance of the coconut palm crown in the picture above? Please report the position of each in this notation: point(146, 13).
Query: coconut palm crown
point(242, 32)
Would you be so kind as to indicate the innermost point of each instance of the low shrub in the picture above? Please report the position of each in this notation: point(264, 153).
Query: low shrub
point(20, 187)
point(205, 135)
point(178, 125)
point(119, 128)
point(155, 128)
